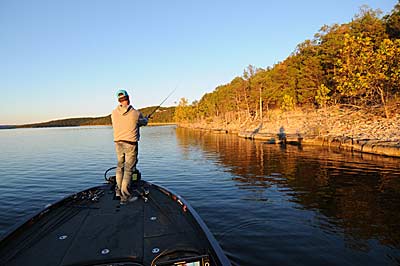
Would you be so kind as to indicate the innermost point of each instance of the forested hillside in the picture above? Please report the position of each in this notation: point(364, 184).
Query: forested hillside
point(352, 65)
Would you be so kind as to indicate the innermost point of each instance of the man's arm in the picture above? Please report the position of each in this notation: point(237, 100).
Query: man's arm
point(142, 120)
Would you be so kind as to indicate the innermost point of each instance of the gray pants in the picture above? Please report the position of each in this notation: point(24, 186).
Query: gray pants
point(127, 159)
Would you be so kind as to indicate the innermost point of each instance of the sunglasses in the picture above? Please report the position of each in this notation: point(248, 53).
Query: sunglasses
point(122, 99)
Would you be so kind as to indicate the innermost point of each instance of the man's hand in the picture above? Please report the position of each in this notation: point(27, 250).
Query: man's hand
point(146, 120)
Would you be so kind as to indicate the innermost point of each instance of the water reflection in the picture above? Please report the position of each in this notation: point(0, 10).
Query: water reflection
point(356, 196)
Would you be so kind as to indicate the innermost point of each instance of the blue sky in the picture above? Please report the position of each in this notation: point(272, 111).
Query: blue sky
point(63, 59)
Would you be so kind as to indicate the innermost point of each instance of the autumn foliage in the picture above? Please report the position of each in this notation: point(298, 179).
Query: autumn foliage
point(354, 64)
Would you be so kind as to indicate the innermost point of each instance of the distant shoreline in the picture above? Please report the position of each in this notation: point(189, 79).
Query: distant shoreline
point(163, 116)
point(104, 125)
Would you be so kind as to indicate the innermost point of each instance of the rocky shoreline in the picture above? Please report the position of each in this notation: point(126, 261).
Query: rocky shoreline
point(346, 129)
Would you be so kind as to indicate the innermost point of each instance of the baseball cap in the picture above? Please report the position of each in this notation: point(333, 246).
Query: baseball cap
point(121, 94)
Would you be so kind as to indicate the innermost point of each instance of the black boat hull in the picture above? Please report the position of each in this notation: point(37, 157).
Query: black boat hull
point(92, 228)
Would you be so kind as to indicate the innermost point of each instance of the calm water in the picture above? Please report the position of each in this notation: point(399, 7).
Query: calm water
point(265, 205)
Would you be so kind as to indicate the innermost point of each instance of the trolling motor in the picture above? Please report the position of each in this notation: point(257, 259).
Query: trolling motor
point(136, 176)
point(111, 179)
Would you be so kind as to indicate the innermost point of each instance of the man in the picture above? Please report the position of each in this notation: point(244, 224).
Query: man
point(126, 122)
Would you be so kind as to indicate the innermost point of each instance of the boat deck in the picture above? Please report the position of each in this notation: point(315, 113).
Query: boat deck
point(91, 227)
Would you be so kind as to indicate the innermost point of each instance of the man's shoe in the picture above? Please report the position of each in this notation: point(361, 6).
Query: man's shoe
point(123, 200)
point(118, 195)
point(132, 198)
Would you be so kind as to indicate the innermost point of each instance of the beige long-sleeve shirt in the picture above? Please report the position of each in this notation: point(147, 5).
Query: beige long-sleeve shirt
point(126, 122)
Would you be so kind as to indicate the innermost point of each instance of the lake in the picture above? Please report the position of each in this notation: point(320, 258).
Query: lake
point(265, 204)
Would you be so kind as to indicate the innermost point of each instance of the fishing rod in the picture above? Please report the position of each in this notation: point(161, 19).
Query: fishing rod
point(155, 109)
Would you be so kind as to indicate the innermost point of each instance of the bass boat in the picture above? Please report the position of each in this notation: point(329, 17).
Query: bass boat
point(92, 228)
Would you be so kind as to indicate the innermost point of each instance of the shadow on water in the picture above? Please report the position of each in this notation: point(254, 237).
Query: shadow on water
point(352, 198)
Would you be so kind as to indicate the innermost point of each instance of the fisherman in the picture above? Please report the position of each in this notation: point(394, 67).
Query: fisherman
point(126, 122)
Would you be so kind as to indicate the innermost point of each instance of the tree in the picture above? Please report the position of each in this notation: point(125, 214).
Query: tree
point(271, 92)
point(308, 72)
point(184, 112)
point(322, 96)
point(392, 22)
point(288, 103)
point(237, 85)
point(248, 75)
point(353, 63)
point(367, 76)
point(384, 75)
point(368, 24)
point(330, 41)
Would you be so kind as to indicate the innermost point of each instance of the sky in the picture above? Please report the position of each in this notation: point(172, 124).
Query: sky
point(67, 58)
